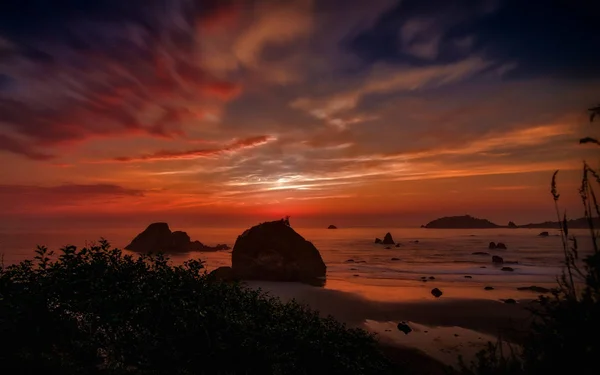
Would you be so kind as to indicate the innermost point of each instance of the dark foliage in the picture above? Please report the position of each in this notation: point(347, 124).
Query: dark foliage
point(98, 311)
point(565, 326)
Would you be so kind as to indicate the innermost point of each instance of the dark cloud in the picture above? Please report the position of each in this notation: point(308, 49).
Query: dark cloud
point(70, 190)
point(543, 38)
point(71, 69)
point(32, 198)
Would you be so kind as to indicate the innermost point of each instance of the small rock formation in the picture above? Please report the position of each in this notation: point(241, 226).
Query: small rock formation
point(403, 327)
point(356, 275)
point(507, 269)
point(388, 248)
point(431, 278)
point(332, 227)
point(395, 259)
point(222, 274)
point(497, 259)
point(500, 245)
point(436, 292)
point(388, 240)
point(350, 261)
point(480, 253)
point(157, 237)
point(512, 225)
point(398, 244)
point(274, 251)
point(492, 245)
point(378, 240)
point(533, 288)
point(489, 288)
point(468, 277)
point(544, 234)
point(510, 301)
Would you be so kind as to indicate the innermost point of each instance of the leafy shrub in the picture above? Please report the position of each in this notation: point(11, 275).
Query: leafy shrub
point(564, 332)
point(98, 311)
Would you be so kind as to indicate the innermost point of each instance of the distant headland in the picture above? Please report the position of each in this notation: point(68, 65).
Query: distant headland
point(470, 222)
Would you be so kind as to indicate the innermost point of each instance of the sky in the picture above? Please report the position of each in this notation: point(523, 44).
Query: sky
point(354, 112)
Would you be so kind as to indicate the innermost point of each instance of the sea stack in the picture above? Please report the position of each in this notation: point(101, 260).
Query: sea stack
point(388, 240)
point(157, 237)
point(274, 251)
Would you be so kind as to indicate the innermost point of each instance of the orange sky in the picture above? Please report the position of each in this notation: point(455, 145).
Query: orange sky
point(264, 111)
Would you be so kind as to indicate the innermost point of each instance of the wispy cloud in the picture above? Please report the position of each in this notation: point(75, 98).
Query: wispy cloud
point(199, 153)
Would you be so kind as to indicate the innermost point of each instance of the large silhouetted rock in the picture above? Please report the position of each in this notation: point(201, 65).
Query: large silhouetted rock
point(460, 222)
point(159, 238)
point(388, 240)
point(274, 251)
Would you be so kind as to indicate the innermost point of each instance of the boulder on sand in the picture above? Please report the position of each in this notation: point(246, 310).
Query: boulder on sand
point(388, 240)
point(403, 327)
point(436, 292)
point(157, 237)
point(274, 251)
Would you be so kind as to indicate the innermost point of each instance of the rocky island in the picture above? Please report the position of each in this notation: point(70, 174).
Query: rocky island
point(461, 222)
point(157, 237)
point(470, 222)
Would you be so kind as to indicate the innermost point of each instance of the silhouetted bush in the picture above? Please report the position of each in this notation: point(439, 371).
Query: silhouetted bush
point(564, 333)
point(98, 311)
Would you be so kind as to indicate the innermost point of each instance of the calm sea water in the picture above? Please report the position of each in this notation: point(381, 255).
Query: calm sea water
point(442, 253)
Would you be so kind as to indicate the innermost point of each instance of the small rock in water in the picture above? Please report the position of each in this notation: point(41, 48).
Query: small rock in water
point(436, 292)
point(544, 234)
point(402, 326)
point(510, 301)
point(350, 261)
point(431, 278)
point(483, 267)
point(468, 277)
point(353, 269)
point(388, 248)
point(387, 239)
point(489, 288)
point(423, 277)
point(378, 240)
point(497, 259)
point(508, 269)
point(492, 245)
point(395, 258)
point(500, 245)
point(355, 275)
point(398, 245)
point(456, 335)
point(425, 331)
point(480, 253)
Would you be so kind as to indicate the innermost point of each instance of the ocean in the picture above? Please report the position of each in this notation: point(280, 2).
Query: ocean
point(356, 264)
point(366, 288)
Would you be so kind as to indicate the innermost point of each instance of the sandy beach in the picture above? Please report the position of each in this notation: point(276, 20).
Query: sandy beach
point(443, 328)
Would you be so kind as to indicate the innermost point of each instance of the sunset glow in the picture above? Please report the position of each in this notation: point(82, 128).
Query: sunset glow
point(307, 108)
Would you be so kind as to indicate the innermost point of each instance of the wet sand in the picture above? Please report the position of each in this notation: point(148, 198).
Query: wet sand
point(443, 328)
